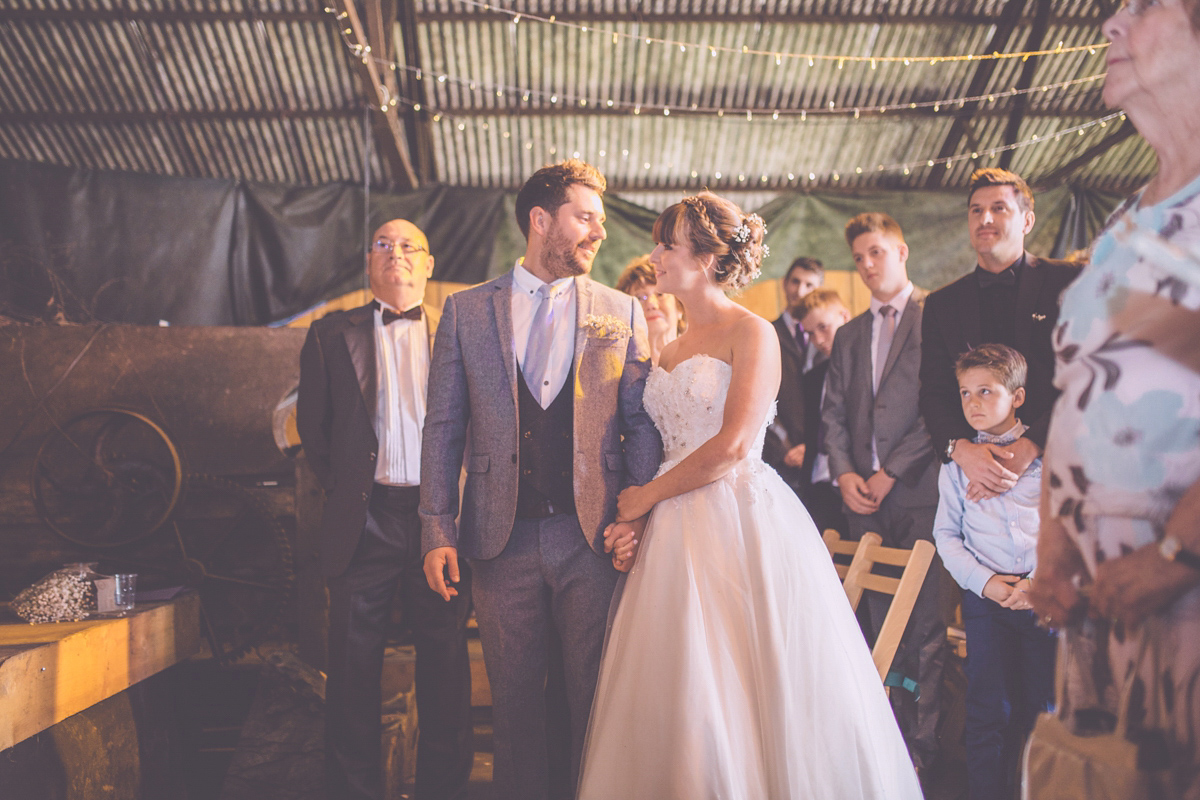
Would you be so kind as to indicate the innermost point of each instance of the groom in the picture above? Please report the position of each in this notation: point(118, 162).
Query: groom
point(536, 386)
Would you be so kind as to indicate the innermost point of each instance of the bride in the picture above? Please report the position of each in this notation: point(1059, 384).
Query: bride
point(733, 667)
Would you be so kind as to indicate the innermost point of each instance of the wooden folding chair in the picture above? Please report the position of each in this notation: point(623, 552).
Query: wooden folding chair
point(868, 552)
point(839, 548)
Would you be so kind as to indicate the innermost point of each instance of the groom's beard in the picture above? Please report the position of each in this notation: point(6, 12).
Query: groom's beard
point(563, 258)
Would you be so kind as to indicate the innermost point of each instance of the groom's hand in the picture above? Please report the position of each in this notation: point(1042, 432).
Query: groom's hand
point(621, 539)
point(441, 562)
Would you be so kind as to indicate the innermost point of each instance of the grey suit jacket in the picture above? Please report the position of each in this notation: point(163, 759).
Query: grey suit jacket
point(335, 417)
point(472, 412)
point(852, 413)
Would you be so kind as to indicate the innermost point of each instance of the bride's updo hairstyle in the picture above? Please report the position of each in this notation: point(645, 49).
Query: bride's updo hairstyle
point(712, 225)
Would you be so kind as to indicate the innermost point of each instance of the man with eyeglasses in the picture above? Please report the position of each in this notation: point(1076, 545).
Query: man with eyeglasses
point(361, 408)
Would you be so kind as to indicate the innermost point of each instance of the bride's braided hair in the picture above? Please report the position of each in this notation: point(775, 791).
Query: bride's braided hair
point(716, 226)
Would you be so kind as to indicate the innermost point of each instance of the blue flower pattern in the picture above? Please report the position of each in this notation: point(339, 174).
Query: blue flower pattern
point(1123, 445)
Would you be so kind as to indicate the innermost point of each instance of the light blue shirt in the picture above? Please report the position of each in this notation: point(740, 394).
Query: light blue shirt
point(998, 535)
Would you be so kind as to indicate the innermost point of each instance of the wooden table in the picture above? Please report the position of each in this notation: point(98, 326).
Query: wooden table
point(49, 672)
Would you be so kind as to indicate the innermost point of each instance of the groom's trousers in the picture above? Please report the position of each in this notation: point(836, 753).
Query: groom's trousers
point(547, 580)
point(388, 560)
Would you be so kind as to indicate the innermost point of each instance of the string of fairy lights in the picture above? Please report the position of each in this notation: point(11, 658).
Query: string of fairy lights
point(567, 100)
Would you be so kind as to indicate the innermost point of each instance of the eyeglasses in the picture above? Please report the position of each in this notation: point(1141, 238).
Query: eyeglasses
point(1137, 7)
point(407, 249)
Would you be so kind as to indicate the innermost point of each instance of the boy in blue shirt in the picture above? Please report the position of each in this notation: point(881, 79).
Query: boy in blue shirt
point(989, 548)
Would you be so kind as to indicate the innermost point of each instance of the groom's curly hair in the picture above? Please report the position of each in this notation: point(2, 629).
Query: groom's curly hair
point(547, 188)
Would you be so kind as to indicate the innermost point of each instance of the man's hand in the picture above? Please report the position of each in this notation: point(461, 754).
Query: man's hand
point(441, 562)
point(878, 486)
point(1018, 598)
point(985, 466)
point(795, 456)
point(855, 494)
point(999, 587)
point(621, 539)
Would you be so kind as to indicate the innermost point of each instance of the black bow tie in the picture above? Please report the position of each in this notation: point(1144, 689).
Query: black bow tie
point(1007, 277)
point(390, 316)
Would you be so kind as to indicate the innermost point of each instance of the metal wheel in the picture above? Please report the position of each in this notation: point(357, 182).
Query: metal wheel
point(108, 477)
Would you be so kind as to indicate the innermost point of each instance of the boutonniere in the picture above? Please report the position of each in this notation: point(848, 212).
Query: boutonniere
point(1039, 317)
point(606, 326)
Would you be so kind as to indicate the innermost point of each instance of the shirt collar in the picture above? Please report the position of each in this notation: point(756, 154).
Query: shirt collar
point(789, 320)
point(1005, 277)
point(898, 302)
point(528, 283)
point(1008, 437)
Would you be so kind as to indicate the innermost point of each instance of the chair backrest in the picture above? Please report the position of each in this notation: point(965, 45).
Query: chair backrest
point(859, 577)
point(838, 547)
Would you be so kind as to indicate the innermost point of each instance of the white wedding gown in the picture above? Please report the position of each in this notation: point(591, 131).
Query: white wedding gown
point(734, 667)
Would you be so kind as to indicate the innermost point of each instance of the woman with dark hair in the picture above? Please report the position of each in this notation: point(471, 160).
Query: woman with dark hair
point(1120, 536)
point(664, 313)
point(733, 667)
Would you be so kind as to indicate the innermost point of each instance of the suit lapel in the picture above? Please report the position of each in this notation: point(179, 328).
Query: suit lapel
point(1028, 291)
point(583, 309)
point(360, 341)
point(502, 310)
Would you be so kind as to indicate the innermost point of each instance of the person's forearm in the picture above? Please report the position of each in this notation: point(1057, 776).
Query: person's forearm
point(711, 461)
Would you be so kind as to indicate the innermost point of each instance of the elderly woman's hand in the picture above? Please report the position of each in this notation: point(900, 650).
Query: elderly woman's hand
point(1054, 594)
point(1135, 586)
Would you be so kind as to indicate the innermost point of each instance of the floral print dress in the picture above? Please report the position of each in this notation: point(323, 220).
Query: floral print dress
point(1124, 445)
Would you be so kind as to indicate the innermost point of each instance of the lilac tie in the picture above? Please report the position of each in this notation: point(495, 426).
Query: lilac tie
point(537, 347)
point(887, 330)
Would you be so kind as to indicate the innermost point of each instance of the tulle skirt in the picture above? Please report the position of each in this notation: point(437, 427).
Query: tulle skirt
point(734, 667)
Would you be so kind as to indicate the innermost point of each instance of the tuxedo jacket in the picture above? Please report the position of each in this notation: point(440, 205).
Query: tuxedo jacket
point(853, 413)
point(472, 414)
point(336, 406)
point(813, 384)
point(952, 326)
point(789, 413)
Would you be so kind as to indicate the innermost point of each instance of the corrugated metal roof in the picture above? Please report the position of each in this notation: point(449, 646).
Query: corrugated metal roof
point(266, 90)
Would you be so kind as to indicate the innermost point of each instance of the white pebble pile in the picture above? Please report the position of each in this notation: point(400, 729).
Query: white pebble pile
point(62, 596)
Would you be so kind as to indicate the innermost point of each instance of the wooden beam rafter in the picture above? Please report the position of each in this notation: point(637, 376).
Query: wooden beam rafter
point(385, 122)
point(1101, 147)
point(1021, 102)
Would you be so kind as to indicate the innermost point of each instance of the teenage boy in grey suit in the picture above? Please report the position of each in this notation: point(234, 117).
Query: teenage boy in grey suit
point(537, 380)
point(882, 457)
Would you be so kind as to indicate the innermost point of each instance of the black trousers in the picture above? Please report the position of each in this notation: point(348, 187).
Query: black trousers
point(387, 560)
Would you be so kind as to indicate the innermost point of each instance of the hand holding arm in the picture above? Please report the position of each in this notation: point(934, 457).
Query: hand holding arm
point(878, 486)
point(1135, 586)
point(984, 466)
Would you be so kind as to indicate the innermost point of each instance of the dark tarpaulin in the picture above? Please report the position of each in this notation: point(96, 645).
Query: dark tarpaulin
point(124, 247)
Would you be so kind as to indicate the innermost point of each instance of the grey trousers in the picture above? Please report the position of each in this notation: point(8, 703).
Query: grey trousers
point(547, 580)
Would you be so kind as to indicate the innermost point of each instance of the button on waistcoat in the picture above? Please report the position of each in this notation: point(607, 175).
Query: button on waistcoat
point(546, 449)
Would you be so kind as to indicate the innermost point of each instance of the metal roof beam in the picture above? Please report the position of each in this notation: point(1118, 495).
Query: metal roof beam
point(1024, 81)
point(1006, 23)
point(139, 117)
point(156, 15)
point(390, 140)
point(1087, 156)
point(763, 112)
point(664, 16)
point(416, 123)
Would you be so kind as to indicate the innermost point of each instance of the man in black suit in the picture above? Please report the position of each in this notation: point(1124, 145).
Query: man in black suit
point(783, 446)
point(1010, 298)
point(361, 407)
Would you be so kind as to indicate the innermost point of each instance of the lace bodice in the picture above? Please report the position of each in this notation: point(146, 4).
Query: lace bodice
point(688, 406)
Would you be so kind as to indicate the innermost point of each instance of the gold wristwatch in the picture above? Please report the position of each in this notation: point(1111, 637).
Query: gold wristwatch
point(1172, 549)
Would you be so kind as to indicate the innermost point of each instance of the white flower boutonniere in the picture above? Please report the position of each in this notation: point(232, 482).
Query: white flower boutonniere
point(606, 326)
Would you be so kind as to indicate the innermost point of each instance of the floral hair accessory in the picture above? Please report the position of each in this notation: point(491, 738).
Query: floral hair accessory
point(766, 251)
point(606, 326)
point(741, 234)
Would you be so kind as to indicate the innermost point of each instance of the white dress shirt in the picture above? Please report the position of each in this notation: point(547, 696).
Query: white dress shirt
point(562, 349)
point(402, 376)
point(899, 302)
